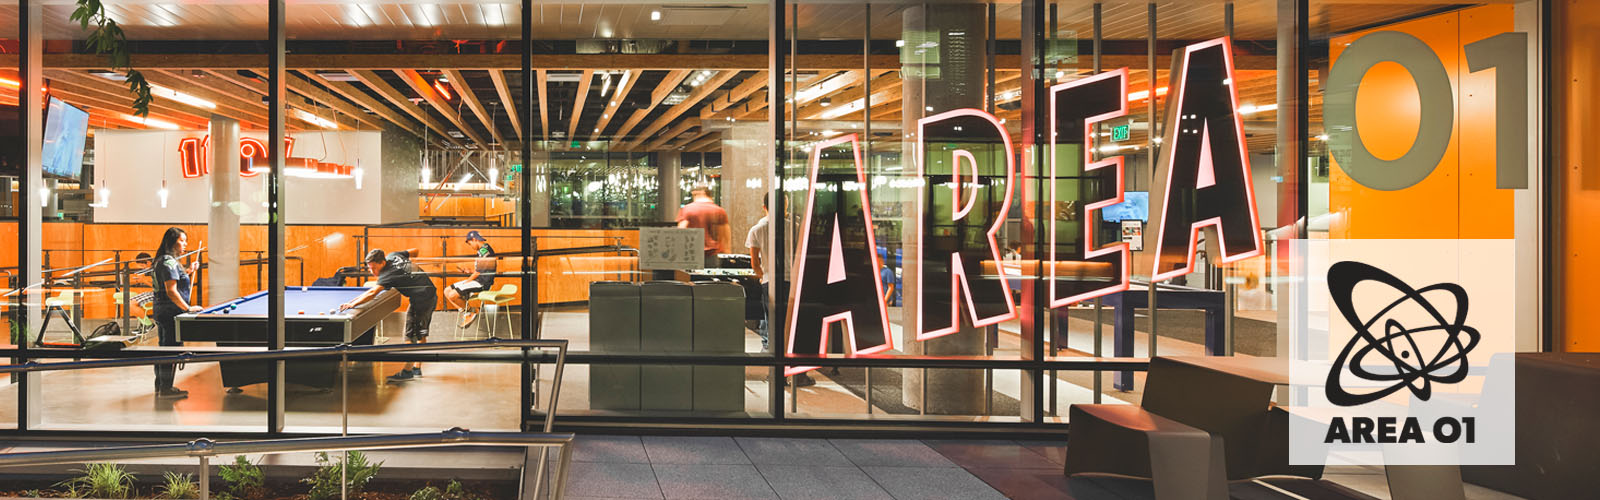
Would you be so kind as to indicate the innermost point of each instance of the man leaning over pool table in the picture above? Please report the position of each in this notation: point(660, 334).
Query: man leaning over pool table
point(396, 271)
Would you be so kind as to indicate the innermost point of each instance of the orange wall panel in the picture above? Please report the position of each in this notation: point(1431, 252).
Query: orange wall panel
point(1458, 199)
point(1576, 104)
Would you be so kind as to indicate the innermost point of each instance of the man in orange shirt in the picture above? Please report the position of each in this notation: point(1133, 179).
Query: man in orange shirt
point(704, 214)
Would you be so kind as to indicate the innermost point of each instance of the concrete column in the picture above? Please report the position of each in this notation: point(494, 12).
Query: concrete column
point(222, 221)
point(668, 167)
point(399, 175)
point(746, 168)
point(949, 76)
point(538, 167)
point(32, 101)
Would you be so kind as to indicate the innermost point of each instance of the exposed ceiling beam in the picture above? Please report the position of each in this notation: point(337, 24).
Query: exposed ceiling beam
point(704, 143)
point(706, 88)
point(425, 89)
point(578, 100)
point(111, 95)
point(879, 98)
point(375, 82)
point(756, 104)
point(724, 62)
point(686, 140)
point(817, 107)
point(736, 94)
point(349, 91)
point(305, 88)
point(666, 86)
point(260, 87)
point(676, 131)
point(254, 113)
point(824, 87)
point(97, 101)
point(239, 81)
point(619, 95)
point(471, 98)
point(504, 91)
point(544, 103)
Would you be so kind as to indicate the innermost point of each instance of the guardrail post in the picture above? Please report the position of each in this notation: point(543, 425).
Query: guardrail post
point(205, 478)
point(564, 463)
point(532, 476)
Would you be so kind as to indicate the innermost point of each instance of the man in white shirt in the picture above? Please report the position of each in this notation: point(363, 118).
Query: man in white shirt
point(756, 239)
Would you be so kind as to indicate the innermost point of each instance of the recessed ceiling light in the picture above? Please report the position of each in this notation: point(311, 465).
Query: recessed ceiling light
point(655, 15)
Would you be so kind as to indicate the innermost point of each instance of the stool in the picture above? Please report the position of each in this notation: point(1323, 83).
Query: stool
point(493, 302)
point(59, 305)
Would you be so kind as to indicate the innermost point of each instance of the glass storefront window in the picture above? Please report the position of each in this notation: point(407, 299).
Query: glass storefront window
point(982, 201)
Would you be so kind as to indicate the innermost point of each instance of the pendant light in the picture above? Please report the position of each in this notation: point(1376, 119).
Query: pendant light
point(162, 193)
point(356, 172)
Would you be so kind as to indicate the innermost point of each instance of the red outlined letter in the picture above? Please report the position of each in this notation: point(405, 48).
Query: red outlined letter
point(251, 151)
point(192, 157)
point(1206, 174)
point(945, 264)
point(1075, 107)
point(837, 272)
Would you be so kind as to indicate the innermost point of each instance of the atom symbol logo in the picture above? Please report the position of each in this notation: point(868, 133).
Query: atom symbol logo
point(1449, 339)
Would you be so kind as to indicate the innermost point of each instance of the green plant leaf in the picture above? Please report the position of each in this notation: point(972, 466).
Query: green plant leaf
point(109, 40)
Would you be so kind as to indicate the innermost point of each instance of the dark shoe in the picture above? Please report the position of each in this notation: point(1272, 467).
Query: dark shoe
point(404, 375)
point(171, 393)
point(803, 380)
point(234, 390)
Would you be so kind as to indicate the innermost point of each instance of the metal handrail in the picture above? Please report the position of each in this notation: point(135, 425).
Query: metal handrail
point(204, 449)
point(343, 351)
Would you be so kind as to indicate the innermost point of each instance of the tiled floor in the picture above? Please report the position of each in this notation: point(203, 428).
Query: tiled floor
point(673, 467)
point(684, 467)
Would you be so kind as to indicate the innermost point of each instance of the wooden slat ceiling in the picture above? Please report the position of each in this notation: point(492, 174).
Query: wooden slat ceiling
point(655, 110)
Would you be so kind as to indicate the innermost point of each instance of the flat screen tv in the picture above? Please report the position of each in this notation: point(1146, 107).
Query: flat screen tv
point(1135, 205)
point(65, 130)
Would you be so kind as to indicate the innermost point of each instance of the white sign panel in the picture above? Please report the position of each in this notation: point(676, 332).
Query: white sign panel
point(1405, 355)
point(671, 248)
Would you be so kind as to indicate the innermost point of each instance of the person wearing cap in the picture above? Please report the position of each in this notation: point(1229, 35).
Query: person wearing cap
point(396, 271)
point(482, 278)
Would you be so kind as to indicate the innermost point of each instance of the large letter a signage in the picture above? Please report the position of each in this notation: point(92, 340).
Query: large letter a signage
point(1206, 171)
point(837, 269)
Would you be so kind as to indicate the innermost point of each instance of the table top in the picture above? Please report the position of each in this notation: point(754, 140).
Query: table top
point(1271, 370)
point(314, 300)
point(722, 272)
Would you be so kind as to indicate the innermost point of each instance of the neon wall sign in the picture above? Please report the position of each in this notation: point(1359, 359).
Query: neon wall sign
point(194, 158)
point(1205, 172)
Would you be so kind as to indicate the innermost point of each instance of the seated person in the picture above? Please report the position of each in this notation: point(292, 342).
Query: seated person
point(482, 278)
point(140, 278)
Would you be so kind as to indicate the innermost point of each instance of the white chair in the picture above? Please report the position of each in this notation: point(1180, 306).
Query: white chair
point(493, 303)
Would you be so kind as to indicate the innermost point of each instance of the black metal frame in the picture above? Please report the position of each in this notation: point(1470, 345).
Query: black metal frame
point(1036, 15)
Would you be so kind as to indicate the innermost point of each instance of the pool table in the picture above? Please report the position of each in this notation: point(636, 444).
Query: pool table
point(243, 322)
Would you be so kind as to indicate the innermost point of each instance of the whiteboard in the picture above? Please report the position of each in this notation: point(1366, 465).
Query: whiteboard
point(671, 248)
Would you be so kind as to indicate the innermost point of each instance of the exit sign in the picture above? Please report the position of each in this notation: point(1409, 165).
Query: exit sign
point(1121, 132)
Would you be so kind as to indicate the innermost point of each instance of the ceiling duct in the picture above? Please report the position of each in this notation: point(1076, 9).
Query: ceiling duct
point(336, 76)
point(678, 95)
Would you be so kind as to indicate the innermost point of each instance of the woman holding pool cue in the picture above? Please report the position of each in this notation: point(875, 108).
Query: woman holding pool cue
point(173, 287)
